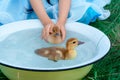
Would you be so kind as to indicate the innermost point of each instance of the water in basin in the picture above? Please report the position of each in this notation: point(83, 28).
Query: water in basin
point(18, 50)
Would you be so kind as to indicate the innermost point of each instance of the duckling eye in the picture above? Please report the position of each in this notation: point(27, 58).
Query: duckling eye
point(74, 42)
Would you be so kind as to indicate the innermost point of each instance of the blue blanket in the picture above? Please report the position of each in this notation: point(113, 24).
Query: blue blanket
point(84, 11)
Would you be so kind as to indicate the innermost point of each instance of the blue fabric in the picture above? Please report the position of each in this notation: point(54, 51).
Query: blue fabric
point(84, 11)
point(89, 16)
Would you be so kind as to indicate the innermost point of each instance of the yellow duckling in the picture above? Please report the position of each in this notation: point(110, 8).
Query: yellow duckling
point(55, 36)
point(58, 53)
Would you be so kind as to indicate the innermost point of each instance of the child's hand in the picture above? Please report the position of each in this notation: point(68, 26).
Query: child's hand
point(46, 30)
point(63, 31)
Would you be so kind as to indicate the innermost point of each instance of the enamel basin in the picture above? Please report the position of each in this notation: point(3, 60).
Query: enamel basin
point(19, 40)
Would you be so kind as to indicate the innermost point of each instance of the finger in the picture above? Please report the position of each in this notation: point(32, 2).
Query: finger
point(51, 28)
point(43, 33)
point(47, 30)
point(63, 34)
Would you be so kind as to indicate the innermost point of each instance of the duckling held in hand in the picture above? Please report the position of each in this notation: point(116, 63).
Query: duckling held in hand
point(55, 36)
point(58, 53)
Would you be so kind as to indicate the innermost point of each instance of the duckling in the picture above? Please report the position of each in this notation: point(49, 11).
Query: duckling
point(55, 36)
point(59, 53)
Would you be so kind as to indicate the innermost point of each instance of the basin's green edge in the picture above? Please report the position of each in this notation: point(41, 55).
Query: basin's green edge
point(52, 70)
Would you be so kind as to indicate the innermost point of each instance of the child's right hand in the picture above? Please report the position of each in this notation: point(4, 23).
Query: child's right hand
point(62, 29)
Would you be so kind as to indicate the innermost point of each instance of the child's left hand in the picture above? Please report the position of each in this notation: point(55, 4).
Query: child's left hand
point(63, 31)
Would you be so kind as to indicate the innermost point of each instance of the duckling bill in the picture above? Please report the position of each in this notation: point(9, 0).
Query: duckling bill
point(59, 53)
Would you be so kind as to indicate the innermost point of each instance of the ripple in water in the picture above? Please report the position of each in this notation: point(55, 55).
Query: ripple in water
point(18, 49)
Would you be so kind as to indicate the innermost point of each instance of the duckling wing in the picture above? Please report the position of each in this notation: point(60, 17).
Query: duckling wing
point(60, 52)
point(53, 53)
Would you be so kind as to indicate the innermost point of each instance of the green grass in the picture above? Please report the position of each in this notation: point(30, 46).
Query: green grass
point(109, 67)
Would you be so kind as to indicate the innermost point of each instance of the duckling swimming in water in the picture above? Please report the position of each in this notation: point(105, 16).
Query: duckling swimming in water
point(55, 36)
point(58, 53)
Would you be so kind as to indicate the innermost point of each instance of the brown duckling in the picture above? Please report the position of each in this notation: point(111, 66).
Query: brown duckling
point(55, 36)
point(58, 53)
